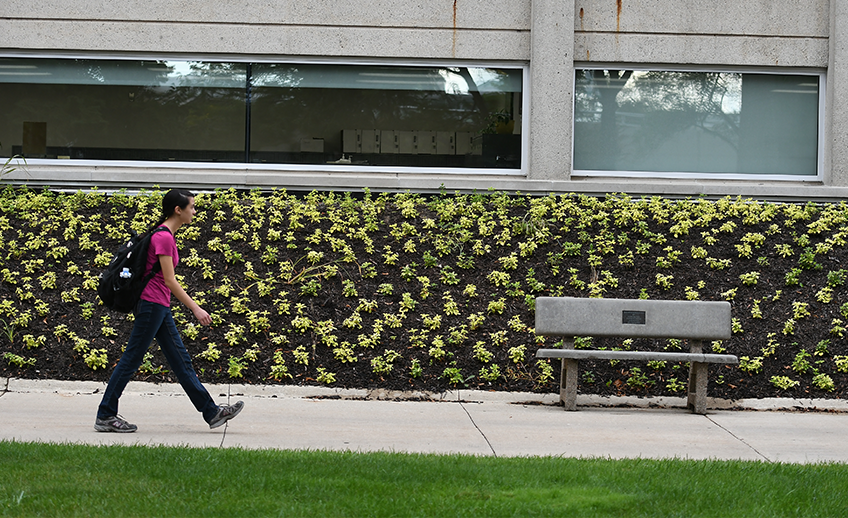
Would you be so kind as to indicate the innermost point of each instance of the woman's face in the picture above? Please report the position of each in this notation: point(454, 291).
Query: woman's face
point(187, 213)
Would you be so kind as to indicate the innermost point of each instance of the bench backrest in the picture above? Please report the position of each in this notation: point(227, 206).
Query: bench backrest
point(568, 316)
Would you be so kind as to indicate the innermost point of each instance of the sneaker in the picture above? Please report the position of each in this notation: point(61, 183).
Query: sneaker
point(225, 413)
point(114, 424)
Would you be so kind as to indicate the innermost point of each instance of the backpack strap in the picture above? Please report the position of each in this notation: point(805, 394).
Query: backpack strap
point(156, 266)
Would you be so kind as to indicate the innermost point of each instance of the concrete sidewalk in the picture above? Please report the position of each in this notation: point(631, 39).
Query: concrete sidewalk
point(472, 422)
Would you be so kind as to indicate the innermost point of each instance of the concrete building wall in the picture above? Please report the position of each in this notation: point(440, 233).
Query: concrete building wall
point(786, 33)
point(549, 35)
point(443, 29)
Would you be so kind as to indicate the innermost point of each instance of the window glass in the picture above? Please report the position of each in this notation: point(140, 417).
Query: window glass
point(385, 115)
point(123, 110)
point(696, 122)
point(279, 113)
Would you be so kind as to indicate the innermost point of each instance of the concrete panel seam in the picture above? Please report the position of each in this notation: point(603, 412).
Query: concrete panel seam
point(265, 24)
point(704, 34)
point(739, 439)
point(461, 404)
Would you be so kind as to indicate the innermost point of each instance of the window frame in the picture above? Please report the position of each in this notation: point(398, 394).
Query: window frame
point(683, 175)
point(252, 167)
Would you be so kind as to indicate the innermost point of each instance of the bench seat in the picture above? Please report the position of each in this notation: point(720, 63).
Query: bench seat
point(592, 354)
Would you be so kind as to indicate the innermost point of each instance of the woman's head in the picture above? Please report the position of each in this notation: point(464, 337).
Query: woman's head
point(177, 203)
point(175, 198)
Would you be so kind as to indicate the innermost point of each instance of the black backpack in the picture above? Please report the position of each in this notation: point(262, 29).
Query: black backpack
point(122, 282)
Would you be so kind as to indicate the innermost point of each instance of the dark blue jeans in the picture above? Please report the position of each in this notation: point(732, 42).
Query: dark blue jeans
point(155, 321)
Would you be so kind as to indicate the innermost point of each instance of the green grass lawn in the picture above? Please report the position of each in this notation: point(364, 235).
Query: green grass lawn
point(74, 480)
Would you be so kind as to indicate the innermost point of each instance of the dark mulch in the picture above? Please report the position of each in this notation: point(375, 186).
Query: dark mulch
point(56, 359)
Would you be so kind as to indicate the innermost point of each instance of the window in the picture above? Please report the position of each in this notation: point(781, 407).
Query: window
point(726, 124)
point(268, 113)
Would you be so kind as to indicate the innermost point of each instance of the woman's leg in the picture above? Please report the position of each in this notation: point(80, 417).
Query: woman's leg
point(148, 319)
point(180, 362)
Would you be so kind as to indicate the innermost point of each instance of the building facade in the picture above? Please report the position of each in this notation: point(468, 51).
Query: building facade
point(664, 97)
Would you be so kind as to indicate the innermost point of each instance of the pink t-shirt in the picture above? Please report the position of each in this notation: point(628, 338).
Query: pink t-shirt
point(162, 243)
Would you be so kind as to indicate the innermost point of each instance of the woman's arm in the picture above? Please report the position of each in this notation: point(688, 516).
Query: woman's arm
point(167, 264)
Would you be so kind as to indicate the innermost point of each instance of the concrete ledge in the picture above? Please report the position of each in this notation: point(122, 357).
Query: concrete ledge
point(15, 385)
point(106, 176)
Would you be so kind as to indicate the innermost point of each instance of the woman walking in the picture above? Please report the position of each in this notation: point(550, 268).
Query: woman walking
point(153, 320)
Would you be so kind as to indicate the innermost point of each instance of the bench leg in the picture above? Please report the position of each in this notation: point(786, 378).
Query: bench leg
point(698, 388)
point(568, 384)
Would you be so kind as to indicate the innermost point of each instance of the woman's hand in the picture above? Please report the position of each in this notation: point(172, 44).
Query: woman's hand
point(167, 264)
point(202, 316)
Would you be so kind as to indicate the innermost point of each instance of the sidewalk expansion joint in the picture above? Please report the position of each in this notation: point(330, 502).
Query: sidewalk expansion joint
point(226, 425)
point(461, 404)
point(739, 439)
point(5, 388)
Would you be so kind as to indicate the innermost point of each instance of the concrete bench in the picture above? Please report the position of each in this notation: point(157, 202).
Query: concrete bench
point(695, 321)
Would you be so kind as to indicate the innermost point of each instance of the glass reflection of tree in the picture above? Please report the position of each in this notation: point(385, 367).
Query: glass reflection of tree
point(602, 88)
point(672, 102)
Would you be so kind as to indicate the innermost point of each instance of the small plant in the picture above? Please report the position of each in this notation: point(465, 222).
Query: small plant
point(475, 320)
point(801, 364)
point(211, 354)
point(325, 377)
point(821, 348)
point(301, 356)
point(415, 369)
point(481, 353)
point(497, 306)
point(807, 261)
point(637, 379)
point(793, 277)
point(691, 294)
point(279, 371)
point(673, 385)
point(453, 375)
point(838, 329)
point(783, 382)
point(546, 372)
point(836, 278)
point(750, 278)
point(236, 367)
point(824, 382)
point(756, 312)
point(736, 326)
point(800, 310)
point(349, 288)
point(432, 323)
point(31, 342)
point(384, 364)
point(147, 367)
point(96, 359)
point(490, 373)
point(664, 281)
point(18, 361)
point(751, 365)
point(789, 327)
point(517, 354)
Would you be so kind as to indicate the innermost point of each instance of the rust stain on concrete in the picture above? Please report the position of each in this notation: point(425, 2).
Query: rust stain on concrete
point(581, 18)
point(618, 15)
point(453, 44)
